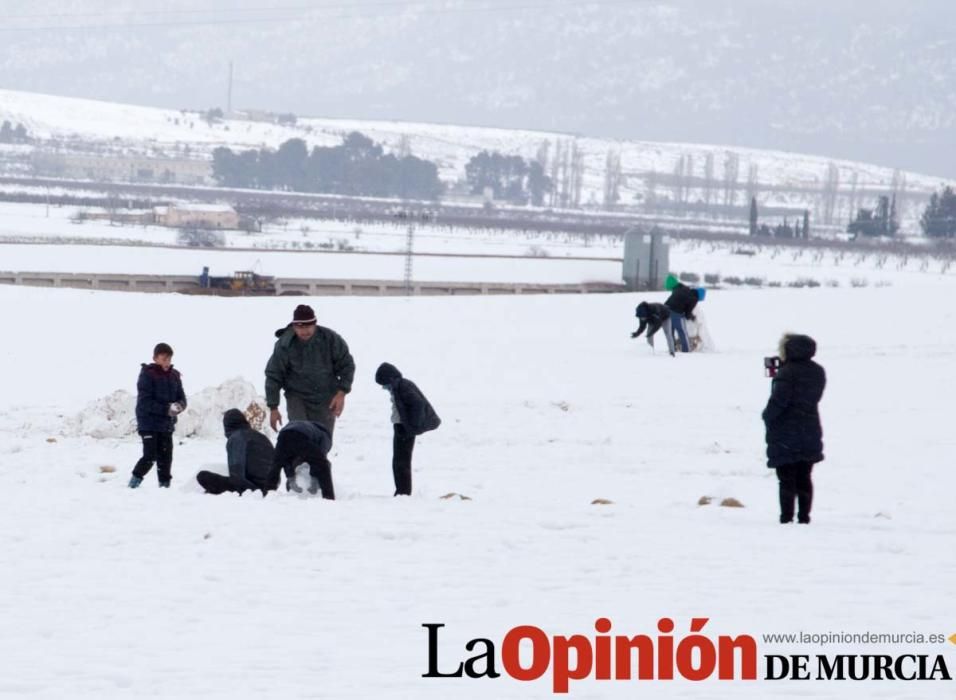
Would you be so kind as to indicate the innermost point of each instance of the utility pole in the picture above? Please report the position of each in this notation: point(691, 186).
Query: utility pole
point(229, 93)
point(409, 244)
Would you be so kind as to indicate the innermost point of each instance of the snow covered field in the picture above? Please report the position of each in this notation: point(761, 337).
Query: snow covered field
point(547, 405)
point(321, 249)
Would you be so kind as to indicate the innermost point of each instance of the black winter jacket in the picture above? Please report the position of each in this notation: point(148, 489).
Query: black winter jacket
point(683, 300)
point(317, 434)
point(414, 411)
point(652, 315)
point(249, 454)
point(156, 388)
point(794, 433)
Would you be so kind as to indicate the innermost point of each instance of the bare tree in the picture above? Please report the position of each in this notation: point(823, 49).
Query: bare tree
point(854, 197)
point(753, 181)
point(678, 187)
point(404, 148)
point(542, 154)
point(731, 171)
point(708, 178)
point(556, 182)
point(612, 178)
point(577, 174)
point(650, 190)
point(831, 187)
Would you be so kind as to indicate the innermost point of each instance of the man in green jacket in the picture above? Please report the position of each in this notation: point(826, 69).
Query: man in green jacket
point(314, 367)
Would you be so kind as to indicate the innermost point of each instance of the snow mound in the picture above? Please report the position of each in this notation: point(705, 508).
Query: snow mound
point(114, 416)
point(111, 416)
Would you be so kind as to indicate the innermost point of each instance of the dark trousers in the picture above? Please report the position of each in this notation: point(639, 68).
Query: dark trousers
point(402, 445)
point(292, 449)
point(158, 448)
point(216, 483)
point(795, 485)
point(298, 408)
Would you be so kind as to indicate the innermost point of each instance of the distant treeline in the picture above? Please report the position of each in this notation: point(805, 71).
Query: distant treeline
point(357, 167)
point(510, 178)
point(11, 134)
point(360, 167)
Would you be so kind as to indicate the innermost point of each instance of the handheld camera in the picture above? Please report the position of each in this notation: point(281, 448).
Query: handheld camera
point(771, 365)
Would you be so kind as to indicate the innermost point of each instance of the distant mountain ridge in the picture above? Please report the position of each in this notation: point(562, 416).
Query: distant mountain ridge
point(874, 82)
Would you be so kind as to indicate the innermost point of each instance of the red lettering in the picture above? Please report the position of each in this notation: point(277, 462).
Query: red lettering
point(540, 653)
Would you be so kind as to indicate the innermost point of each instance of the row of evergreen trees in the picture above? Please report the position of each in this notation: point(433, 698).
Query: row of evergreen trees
point(356, 167)
point(11, 134)
point(510, 178)
point(939, 218)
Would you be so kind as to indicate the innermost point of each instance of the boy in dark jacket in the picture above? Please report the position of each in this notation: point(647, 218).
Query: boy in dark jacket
point(305, 441)
point(681, 303)
point(159, 399)
point(249, 455)
point(653, 317)
point(411, 415)
point(792, 420)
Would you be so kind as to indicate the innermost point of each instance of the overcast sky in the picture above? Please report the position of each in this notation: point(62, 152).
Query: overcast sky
point(874, 81)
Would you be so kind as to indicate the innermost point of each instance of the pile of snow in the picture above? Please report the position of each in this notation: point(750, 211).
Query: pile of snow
point(114, 415)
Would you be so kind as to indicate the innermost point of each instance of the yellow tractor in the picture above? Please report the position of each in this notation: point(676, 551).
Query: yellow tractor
point(242, 282)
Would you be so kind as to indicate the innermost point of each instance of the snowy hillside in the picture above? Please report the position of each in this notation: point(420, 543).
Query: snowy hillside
point(547, 405)
point(790, 180)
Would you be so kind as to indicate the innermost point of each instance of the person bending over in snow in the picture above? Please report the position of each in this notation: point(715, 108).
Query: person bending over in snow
point(250, 457)
point(159, 399)
point(305, 441)
point(681, 302)
point(411, 415)
point(794, 433)
point(653, 317)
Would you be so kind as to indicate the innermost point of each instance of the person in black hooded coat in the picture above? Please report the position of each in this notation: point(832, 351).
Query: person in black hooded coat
point(792, 421)
point(653, 317)
point(249, 455)
point(412, 415)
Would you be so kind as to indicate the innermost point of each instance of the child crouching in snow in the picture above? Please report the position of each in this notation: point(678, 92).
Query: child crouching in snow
point(411, 415)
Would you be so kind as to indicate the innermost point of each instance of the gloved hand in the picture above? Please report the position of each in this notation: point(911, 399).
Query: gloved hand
point(690, 317)
point(174, 409)
point(634, 334)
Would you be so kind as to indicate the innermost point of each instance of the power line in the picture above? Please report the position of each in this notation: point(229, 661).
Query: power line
point(303, 13)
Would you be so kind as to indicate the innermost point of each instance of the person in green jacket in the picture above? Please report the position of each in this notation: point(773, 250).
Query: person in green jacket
point(312, 364)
